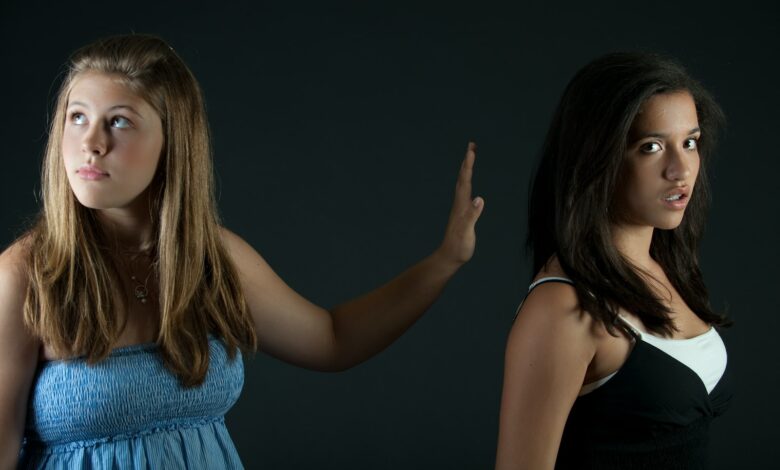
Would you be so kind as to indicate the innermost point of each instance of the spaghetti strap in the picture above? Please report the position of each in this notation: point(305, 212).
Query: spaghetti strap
point(538, 282)
point(628, 326)
point(545, 280)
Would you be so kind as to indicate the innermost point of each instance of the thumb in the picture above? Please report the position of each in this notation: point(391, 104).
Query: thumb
point(477, 206)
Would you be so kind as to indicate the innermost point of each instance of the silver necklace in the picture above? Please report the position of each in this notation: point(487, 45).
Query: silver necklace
point(141, 291)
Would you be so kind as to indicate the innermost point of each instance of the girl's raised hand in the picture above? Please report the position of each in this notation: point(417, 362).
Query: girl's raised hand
point(460, 237)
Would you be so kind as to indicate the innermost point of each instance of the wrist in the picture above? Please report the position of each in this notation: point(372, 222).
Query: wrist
point(444, 261)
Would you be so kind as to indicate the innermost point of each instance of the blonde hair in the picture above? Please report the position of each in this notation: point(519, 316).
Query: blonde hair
point(73, 302)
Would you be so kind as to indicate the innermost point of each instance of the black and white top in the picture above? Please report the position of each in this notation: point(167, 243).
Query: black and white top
point(655, 411)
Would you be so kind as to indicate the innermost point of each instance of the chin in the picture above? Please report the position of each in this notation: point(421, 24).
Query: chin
point(669, 224)
point(92, 204)
point(95, 201)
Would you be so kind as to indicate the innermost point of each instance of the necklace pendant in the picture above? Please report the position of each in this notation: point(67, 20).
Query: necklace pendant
point(141, 293)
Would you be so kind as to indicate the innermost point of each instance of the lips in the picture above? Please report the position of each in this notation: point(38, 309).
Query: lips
point(91, 172)
point(677, 198)
point(676, 194)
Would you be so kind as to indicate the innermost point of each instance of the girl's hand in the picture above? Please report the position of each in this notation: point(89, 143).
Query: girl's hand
point(459, 237)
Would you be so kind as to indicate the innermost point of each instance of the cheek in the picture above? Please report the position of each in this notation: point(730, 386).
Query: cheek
point(639, 192)
point(151, 158)
point(140, 156)
point(71, 147)
point(695, 166)
point(151, 148)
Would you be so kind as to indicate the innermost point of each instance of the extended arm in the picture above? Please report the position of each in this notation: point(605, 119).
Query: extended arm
point(297, 331)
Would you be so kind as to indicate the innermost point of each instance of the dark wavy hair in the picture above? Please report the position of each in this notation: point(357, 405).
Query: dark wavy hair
point(571, 205)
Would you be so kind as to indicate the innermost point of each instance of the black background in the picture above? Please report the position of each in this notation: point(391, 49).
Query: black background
point(338, 131)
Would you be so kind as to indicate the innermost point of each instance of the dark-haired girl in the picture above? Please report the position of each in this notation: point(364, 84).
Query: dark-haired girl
point(613, 360)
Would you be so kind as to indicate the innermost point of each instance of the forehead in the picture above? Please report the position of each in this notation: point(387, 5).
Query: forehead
point(667, 113)
point(100, 90)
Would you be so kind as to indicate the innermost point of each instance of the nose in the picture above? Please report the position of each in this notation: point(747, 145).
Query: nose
point(678, 166)
point(95, 141)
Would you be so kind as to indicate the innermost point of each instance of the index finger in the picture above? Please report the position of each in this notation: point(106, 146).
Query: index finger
point(463, 187)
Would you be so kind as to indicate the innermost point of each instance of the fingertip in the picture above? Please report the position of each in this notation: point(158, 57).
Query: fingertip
point(468, 159)
point(478, 202)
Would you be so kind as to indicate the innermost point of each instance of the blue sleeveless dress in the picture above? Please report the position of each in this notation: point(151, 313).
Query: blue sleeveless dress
point(129, 412)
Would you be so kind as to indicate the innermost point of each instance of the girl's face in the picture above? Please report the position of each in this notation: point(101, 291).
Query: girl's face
point(661, 163)
point(111, 142)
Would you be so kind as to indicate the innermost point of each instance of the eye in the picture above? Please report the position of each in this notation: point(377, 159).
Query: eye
point(650, 147)
point(120, 122)
point(78, 119)
point(691, 144)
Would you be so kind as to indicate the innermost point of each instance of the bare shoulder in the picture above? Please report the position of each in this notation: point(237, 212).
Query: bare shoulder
point(17, 251)
point(13, 269)
point(237, 247)
point(554, 301)
point(553, 306)
point(228, 238)
point(244, 256)
point(227, 235)
point(13, 291)
point(551, 313)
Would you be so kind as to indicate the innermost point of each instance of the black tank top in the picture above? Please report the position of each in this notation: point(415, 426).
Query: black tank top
point(654, 413)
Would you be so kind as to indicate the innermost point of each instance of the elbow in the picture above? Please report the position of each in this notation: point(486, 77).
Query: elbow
point(339, 360)
point(334, 368)
point(338, 363)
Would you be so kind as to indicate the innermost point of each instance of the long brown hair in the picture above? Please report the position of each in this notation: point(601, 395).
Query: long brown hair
point(571, 205)
point(72, 301)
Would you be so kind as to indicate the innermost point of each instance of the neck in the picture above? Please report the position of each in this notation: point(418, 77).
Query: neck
point(131, 226)
point(633, 242)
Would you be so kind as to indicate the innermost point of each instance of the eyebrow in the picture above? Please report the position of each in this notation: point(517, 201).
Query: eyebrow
point(664, 136)
point(658, 135)
point(119, 106)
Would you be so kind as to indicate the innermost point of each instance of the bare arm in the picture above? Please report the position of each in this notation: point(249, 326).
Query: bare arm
point(297, 331)
point(547, 355)
point(18, 357)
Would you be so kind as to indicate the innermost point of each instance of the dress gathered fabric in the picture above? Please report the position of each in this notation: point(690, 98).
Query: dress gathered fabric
point(130, 412)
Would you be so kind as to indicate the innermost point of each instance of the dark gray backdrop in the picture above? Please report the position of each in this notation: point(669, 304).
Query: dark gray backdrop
point(338, 132)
